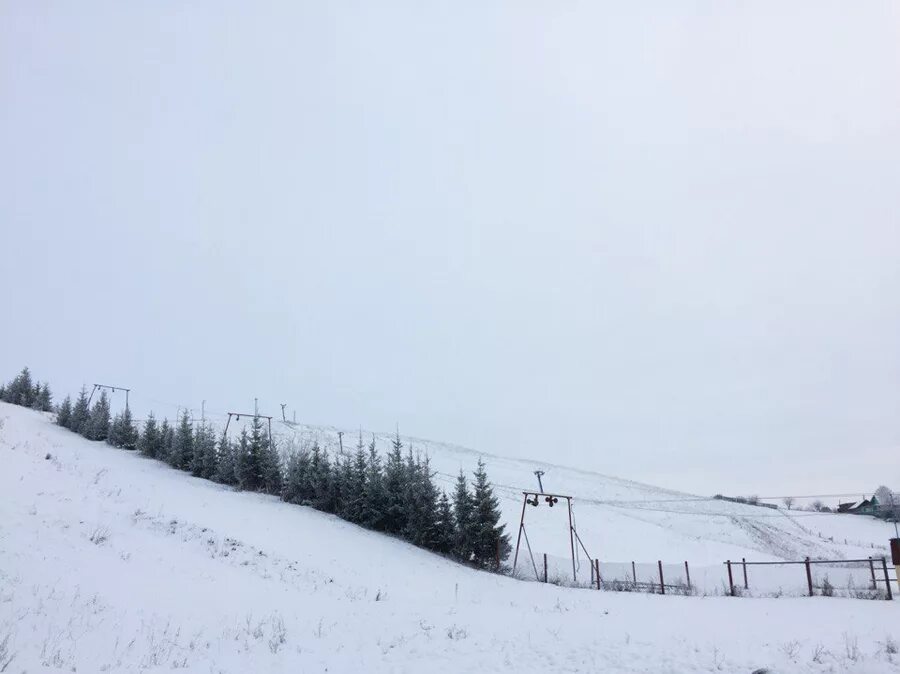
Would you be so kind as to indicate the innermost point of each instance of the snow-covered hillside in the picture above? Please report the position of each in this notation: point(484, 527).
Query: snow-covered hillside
point(621, 520)
point(112, 562)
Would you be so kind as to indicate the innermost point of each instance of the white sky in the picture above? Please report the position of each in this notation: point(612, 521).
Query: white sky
point(656, 239)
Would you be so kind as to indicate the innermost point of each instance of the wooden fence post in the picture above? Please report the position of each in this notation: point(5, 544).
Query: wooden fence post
point(633, 573)
point(545, 567)
point(597, 565)
point(662, 583)
point(744, 564)
point(872, 569)
point(687, 572)
point(809, 577)
point(887, 580)
point(730, 578)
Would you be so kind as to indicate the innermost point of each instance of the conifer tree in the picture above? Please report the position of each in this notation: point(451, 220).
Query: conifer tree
point(150, 442)
point(114, 437)
point(64, 413)
point(210, 467)
point(374, 501)
point(248, 462)
point(464, 517)
point(420, 503)
point(429, 534)
point(196, 464)
point(21, 389)
point(297, 486)
point(182, 454)
point(80, 414)
point(321, 480)
point(128, 432)
point(394, 487)
point(357, 497)
point(251, 459)
point(491, 544)
point(203, 461)
point(343, 469)
point(44, 400)
point(226, 471)
point(270, 468)
point(3, 392)
point(166, 441)
point(98, 423)
point(445, 527)
point(411, 498)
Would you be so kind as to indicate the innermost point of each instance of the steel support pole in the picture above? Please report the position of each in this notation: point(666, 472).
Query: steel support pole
point(519, 538)
point(572, 540)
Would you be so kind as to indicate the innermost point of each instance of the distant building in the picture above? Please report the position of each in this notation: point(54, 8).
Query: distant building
point(868, 506)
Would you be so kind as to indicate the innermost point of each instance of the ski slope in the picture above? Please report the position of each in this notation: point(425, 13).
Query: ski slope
point(621, 520)
point(112, 562)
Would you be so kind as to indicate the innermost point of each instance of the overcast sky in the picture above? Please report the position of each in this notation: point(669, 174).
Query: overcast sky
point(656, 239)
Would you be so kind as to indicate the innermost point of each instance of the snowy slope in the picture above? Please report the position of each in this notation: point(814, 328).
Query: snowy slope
point(623, 520)
point(111, 562)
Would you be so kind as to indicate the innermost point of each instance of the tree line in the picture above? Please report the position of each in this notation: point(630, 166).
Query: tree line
point(395, 493)
point(27, 393)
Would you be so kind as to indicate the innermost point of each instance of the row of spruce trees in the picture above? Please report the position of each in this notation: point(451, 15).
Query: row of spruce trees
point(27, 393)
point(395, 493)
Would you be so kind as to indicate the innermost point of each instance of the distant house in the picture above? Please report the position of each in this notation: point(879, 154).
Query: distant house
point(868, 506)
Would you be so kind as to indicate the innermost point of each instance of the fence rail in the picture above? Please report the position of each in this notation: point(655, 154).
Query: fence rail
point(657, 577)
point(878, 570)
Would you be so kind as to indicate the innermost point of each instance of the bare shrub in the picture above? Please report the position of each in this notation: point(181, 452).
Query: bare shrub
point(818, 654)
point(456, 633)
point(791, 649)
point(851, 647)
point(279, 633)
point(827, 587)
point(99, 535)
point(6, 657)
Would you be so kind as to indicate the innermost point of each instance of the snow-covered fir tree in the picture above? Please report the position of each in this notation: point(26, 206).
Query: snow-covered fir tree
point(182, 453)
point(491, 544)
point(81, 413)
point(204, 460)
point(297, 485)
point(270, 468)
point(356, 498)
point(129, 432)
point(247, 464)
point(445, 526)
point(45, 398)
point(64, 413)
point(115, 431)
point(97, 426)
point(251, 459)
point(150, 442)
point(166, 441)
point(21, 390)
point(374, 500)
point(321, 479)
point(226, 471)
point(394, 487)
point(464, 518)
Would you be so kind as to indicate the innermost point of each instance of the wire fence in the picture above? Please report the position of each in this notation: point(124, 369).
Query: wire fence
point(869, 578)
point(656, 577)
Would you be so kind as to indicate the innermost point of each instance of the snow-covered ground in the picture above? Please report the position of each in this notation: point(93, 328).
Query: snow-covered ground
point(623, 521)
point(112, 562)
